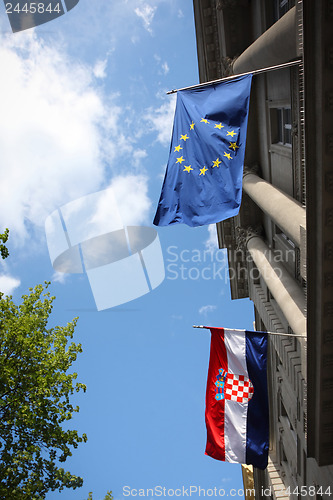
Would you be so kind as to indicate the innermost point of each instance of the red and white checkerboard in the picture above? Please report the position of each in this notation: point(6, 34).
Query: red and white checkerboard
point(238, 389)
point(233, 387)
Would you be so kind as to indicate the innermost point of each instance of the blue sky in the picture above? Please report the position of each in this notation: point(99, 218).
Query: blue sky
point(83, 108)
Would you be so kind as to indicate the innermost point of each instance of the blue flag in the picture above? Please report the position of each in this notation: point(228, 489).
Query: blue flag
point(203, 180)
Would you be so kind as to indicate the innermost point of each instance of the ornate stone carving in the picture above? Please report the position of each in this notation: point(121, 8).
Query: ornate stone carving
point(243, 235)
point(226, 66)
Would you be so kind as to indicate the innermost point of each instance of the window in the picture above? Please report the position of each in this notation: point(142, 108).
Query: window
point(280, 147)
point(281, 7)
point(283, 132)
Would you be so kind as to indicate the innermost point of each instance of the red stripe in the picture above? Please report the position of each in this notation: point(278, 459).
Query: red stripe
point(214, 414)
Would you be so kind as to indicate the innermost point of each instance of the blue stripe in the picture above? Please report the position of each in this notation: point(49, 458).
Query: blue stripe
point(257, 435)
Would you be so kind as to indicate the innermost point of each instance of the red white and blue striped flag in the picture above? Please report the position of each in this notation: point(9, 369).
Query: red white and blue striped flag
point(236, 397)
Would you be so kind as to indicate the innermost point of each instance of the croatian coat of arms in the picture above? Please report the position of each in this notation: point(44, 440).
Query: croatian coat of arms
point(233, 387)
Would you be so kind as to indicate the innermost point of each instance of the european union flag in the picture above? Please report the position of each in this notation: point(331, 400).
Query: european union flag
point(203, 180)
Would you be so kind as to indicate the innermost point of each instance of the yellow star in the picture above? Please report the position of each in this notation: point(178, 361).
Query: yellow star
point(192, 126)
point(217, 162)
point(228, 155)
point(203, 120)
point(219, 126)
point(178, 148)
point(233, 146)
point(180, 159)
point(232, 133)
point(203, 171)
point(184, 137)
point(188, 168)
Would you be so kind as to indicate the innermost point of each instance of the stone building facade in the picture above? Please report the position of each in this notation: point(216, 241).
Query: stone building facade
point(280, 246)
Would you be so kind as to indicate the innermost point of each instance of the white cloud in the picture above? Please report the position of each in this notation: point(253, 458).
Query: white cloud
point(49, 131)
point(57, 132)
point(165, 68)
point(212, 243)
point(161, 120)
point(123, 203)
point(204, 310)
point(8, 284)
point(100, 68)
point(58, 277)
point(132, 199)
point(138, 156)
point(146, 13)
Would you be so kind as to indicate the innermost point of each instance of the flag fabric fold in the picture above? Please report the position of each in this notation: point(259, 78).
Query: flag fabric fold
point(203, 179)
point(236, 398)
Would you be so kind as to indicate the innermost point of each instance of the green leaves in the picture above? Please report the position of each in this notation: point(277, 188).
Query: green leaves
point(35, 390)
point(108, 496)
point(3, 249)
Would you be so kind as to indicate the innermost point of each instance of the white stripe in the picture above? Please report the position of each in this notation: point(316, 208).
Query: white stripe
point(235, 413)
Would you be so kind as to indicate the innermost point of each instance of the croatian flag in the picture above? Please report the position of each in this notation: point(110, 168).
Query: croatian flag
point(236, 397)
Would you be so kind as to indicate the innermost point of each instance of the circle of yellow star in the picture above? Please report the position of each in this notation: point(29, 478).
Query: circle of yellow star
point(203, 171)
point(228, 155)
point(233, 146)
point(178, 148)
point(203, 120)
point(187, 168)
point(184, 137)
point(219, 125)
point(180, 160)
point(232, 133)
point(217, 162)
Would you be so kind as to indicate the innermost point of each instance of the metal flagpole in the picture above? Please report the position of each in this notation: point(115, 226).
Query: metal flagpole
point(254, 72)
point(268, 333)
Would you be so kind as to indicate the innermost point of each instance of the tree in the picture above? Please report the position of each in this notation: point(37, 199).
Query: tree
point(108, 496)
point(35, 391)
point(3, 249)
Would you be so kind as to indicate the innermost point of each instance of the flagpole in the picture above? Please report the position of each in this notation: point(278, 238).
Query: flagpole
point(254, 72)
point(268, 333)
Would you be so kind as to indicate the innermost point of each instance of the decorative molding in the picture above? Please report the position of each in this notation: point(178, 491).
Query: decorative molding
point(243, 235)
point(226, 66)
